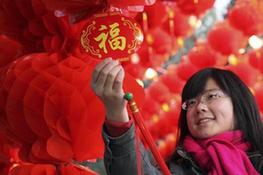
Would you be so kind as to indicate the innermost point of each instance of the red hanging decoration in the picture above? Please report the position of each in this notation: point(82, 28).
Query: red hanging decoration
point(49, 108)
point(110, 35)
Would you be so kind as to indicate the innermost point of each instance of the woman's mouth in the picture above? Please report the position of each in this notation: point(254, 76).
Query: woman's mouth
point(204, 121)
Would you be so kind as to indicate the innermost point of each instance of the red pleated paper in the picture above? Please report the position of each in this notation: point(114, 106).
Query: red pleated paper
point(51, 110)
point(49, 169)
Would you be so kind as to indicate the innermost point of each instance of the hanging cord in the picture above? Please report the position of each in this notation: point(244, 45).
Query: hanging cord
point(146, 134)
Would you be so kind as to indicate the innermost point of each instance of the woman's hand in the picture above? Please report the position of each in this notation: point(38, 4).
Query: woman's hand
point(107, 82)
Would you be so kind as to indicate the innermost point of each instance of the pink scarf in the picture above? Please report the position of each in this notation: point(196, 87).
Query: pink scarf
point(223, 154)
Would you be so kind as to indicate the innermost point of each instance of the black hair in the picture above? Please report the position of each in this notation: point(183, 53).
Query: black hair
point(247, 117)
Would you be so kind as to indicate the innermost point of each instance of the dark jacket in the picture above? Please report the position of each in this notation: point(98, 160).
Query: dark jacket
point(120, 158)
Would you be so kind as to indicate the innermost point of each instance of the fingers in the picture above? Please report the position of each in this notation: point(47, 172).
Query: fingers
point(118, 83)
point(111, 78)
point(98, 69)
point(105, 72)
point(107, 77)
point(107, 81)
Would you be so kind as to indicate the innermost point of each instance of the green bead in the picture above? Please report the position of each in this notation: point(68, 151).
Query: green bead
point(128, 96)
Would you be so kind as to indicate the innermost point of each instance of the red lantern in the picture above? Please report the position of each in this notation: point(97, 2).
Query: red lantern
point(259, 98)
point(247, 73)
point(150, 105)
point(136, 70)
point(256, 59)
point(226, 40)
point(202, 56)
point(172, 80)
point(169, 121)
point(195, 7)
point(144, 54)
point(151, 18)
point(245, 18)
point(159, 40)
point(186, 70)
point(177, 23)
point(159, 92)
point(110, 35)
point(170, 140)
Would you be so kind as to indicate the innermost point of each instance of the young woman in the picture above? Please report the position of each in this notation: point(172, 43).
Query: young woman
point(221, 130)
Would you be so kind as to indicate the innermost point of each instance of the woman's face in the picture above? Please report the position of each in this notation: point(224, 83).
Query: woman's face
point(211, 113)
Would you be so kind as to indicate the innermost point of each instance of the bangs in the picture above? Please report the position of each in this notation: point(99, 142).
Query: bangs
point(226, 80)
point(196, 84)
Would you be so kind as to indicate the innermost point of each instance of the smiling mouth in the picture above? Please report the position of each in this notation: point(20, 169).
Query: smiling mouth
point(204, 121)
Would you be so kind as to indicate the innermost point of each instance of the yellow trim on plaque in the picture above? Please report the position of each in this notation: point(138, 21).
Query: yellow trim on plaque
point(123, 59)
point(136, 32)
point(85, 42)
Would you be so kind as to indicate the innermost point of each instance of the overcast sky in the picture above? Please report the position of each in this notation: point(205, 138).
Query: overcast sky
point(221, 7)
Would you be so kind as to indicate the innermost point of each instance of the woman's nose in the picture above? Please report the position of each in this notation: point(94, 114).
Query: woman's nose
point(201, 106)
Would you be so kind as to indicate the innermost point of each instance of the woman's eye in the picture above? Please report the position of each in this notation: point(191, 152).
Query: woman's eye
point(191, 102)
point(212, 96)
